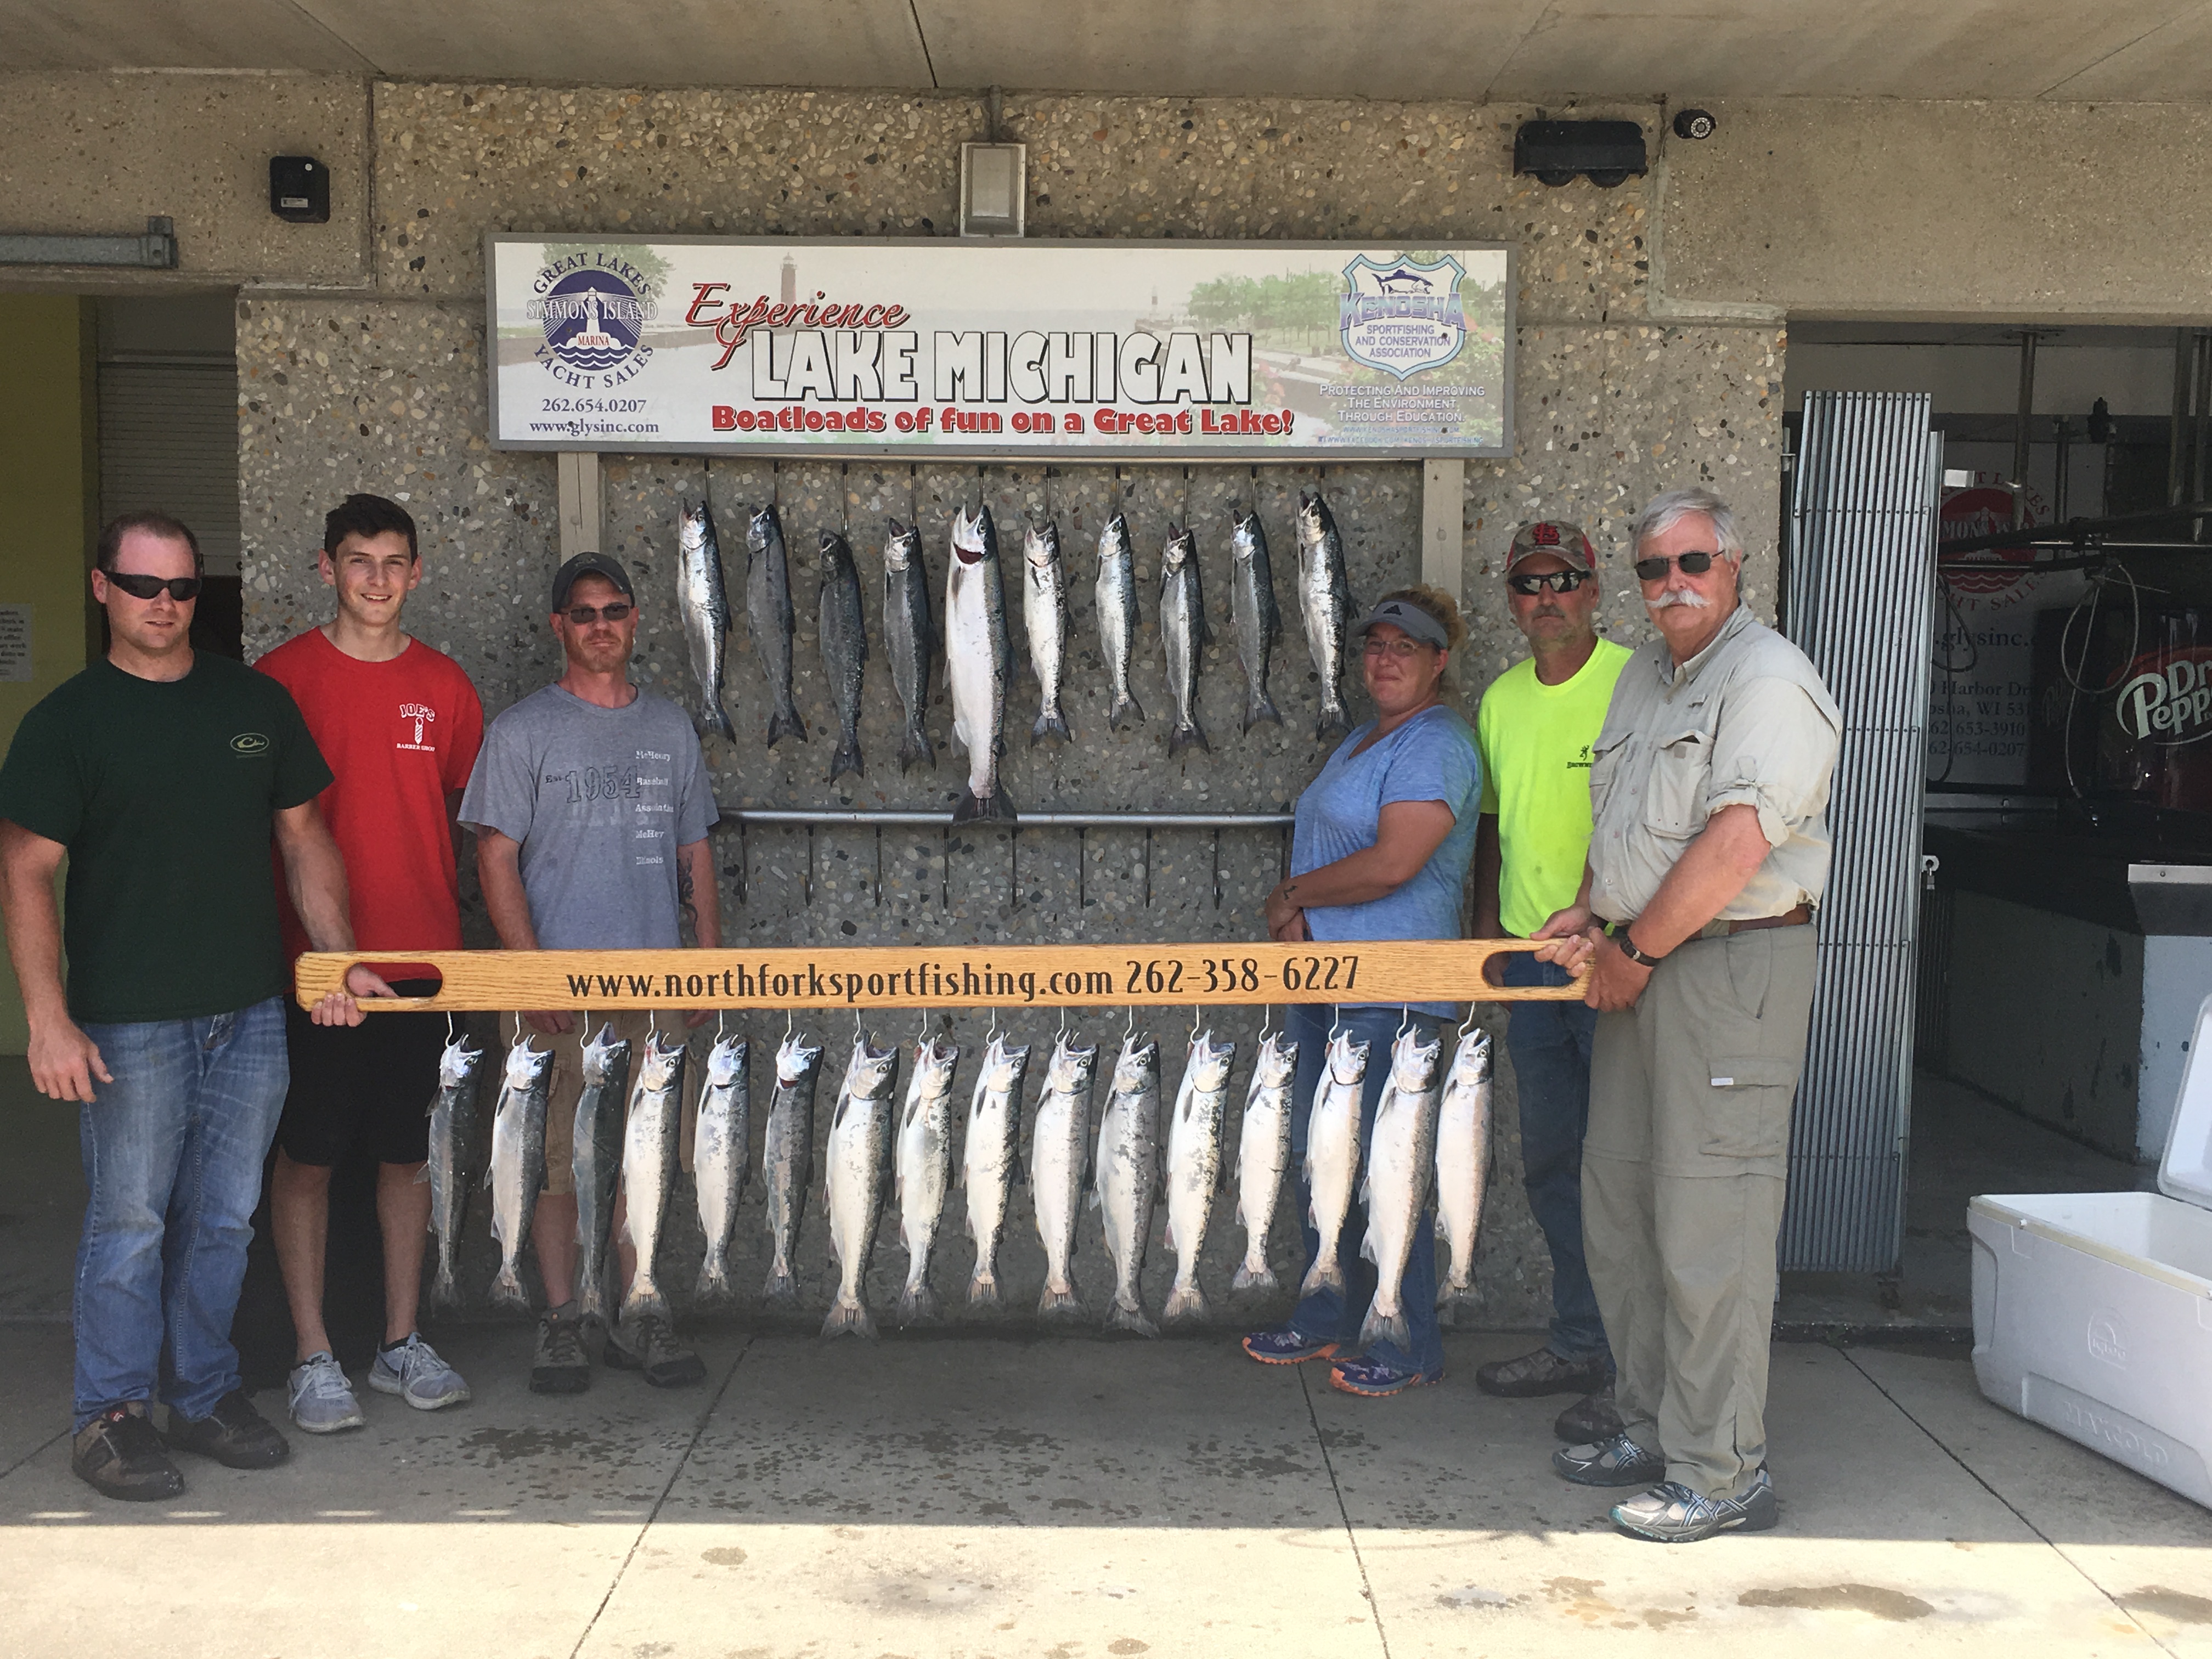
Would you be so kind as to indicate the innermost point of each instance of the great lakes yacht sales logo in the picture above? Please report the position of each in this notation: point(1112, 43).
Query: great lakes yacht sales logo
point(1402, 316)
point(593, 309)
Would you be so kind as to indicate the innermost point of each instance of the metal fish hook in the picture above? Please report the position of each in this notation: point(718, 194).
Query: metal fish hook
point(1193, 1022)
point(652, 1027)
point(790, 1022)
point(991, 1032)
point(583, 1031)
point(1405, 1018)
point(517, 1029)
point(1267, 1017)
point(1469, 1020)
point(1063, 1021)
point(857, 1035)
point(1132, 1031)
point(449, 1028)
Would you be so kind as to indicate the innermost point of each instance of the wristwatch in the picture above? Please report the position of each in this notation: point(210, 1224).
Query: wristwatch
point(1618, 933)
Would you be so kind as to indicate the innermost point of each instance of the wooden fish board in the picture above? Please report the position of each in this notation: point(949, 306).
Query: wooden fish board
point(949, 976)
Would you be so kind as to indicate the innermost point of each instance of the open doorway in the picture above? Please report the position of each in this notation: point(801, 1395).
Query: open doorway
point(168, 402)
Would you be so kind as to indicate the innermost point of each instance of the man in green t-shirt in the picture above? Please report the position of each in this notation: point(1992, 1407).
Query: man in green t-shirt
point(1536, 724)
point(162, 776)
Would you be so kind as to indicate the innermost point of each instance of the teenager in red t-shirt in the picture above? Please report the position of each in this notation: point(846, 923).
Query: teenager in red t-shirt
point(400, 726)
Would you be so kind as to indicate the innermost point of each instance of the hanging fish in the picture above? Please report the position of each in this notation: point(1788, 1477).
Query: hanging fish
point(722, 1151)
point(979, 657)
point(1263, 1153)
point(1117, 616)
point(1127, 1169)
point(924, 1160)
point(1332, 1169)
point(1252, 607)
point(909, 638)
point(1464, 1150)
point(769, 614)
point(1325, 601)
point(1184, 634)
point(650, 1158)
point(1400, 1163)
point(988, 1161)
point(1060, 1160)
point(453, 1116)
point(1194, 1168)
point(843, 638)
point(853, 1186)
point(1044, 613)
point(787, 1158)
point(517, 1174)
point(703, 598)
point(597, 1162)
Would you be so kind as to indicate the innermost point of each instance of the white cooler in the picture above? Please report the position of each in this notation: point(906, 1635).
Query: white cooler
point(2092, 1311)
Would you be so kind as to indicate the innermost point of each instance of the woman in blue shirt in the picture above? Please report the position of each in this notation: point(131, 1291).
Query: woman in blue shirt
point(1383, 839)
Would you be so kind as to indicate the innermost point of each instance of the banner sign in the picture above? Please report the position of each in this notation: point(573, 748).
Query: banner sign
point(1118, 350)
point(948, 976)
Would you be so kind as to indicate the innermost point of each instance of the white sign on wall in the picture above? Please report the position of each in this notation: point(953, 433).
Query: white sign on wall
point(15, 642)
point(1115, 351)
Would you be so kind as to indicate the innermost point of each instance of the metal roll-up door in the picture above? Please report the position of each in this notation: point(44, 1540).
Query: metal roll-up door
point(169, 443)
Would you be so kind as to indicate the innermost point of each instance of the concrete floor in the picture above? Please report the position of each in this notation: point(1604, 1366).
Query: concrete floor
point(977, 1496)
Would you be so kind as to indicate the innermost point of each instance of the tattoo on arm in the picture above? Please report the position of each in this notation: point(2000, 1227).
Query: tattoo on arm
point(687, 909)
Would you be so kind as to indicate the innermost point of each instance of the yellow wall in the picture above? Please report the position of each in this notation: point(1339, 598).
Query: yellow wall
point(49, 491)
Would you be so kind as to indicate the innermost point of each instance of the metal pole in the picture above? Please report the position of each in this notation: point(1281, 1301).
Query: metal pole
point(2184, 399)
point(2019, 427)
point(741, 816)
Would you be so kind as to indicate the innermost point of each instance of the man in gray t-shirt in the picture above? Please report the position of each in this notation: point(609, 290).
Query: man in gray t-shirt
point(591, 803)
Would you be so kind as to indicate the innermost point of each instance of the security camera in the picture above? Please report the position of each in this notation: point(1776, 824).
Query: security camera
point(1694, 123)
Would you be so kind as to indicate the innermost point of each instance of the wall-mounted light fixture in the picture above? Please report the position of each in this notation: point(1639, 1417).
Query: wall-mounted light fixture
point(994, 189)
point(155, 251)
point(1606, 152)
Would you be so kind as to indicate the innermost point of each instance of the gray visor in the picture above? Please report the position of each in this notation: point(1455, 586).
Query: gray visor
point(1417, 623)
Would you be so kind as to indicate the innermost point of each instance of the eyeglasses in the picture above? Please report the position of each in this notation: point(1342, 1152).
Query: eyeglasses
point(1556, 581)
point(583, 616)
point(146, 587)
point(1693, 564)
point(1403, 650)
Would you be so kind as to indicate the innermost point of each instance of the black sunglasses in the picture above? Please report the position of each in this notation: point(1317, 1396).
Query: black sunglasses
point(146, 587)
point(583, 616)
point(1693, 564)
point(1537, 581)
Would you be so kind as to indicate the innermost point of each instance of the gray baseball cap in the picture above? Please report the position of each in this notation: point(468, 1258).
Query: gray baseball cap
point(589, 564)
point(1415, 621)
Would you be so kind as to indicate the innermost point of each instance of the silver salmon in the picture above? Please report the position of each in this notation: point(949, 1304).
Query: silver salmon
point(988, 1163)
point(909, 639)
point(1463, 1144)
point(1332, 1169)
point(454, 1113)
point(703, 598)
point(1401, 1158)
point(722, 1151)
point(770, 615)
point(517, 1174)
point(1325, 602)
point(853, 1186)
point(598, 1162)
point(649, 1159)
point(924, 1162)
point(1044, 614)
point(843, 637)
point(1128, 1176)
point(1060, 1160)
point(1194, 1168)
point(1258, 619)
point(787, 1158)
point(1184, 634)
point(1263, 1154)
point(979, 657)
point(1117, 616)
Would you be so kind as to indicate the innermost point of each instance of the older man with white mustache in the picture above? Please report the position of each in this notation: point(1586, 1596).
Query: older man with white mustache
point(1709, 791)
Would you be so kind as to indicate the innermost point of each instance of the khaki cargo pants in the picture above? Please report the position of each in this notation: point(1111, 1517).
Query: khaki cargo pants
point(1682, 1183)
point(566, 1081)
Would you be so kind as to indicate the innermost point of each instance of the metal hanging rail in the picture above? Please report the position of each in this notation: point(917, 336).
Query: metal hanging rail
point(888, 817)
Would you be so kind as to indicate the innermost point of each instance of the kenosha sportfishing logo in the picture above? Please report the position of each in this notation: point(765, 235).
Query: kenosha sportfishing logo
point(593, 308)
point(1403, 315)
point(2166, 696)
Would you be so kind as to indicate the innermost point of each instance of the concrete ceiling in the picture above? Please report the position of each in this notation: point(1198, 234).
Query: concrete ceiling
point(1515, 50)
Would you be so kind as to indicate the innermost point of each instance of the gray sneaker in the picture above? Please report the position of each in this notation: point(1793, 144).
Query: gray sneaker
point(1670, 1513)
point(322, 1401)
point(1618, 1461)
point(414, 1371)
point(647, 1343)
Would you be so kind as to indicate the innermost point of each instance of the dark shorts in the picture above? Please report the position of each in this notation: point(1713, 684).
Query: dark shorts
point(368, 1086)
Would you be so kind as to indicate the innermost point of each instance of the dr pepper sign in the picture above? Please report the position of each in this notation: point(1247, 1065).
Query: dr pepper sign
point(1121, 350)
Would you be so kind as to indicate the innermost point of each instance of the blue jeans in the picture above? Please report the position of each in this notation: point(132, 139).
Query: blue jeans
point(1328, 1315)
point(173, 1150)
point(1550, 1043)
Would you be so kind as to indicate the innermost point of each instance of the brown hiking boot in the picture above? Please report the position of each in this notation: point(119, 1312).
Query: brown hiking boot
point(648, 1344)
point(1539, 1373)
point(1591, 1418)
point(120, 1454)
point(560, 1366)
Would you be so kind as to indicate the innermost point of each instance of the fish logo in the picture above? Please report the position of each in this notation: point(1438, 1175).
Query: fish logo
point(1402, 316)
point(250, 743)
point(593, 319)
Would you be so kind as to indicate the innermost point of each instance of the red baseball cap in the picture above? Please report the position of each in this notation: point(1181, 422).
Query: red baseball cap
point(1556, 537)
